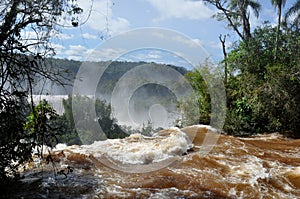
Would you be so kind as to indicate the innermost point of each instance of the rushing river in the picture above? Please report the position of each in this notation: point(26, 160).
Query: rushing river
point(194, 162)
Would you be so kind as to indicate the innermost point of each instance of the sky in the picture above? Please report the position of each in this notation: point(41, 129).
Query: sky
point(177, 32)
point(104, 20)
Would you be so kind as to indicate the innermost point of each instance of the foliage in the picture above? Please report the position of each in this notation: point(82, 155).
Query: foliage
point(262, 92)
point(190, 111)
point(237, 15)
point(43, 125)
point(111, 75)
point(279, 4)
point(293, 12)
point(15, 147)
point(197, 107)
point(263, 95)
point(86, 124)
point(147, 129)
point(25, 31)
point(85, 129)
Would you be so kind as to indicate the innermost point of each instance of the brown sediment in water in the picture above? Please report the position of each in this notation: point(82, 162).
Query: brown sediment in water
point(265, 166)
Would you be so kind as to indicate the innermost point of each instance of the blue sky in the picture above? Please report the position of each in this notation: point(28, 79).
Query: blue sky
point(109, 18)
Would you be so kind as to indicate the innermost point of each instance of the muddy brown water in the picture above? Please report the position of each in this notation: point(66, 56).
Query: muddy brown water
point(265, 166)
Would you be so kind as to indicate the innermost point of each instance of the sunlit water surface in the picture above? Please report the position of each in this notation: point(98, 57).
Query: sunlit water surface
point(171, 164)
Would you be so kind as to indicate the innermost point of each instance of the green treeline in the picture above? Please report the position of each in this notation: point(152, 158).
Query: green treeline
point(77, 125)
point(112, 72)
point(261, 75)
point(263, 92)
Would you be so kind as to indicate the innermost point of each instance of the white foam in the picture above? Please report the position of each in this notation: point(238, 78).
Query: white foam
point(41, 149)
point(138, 149)
point(208, 127)
point(60, 146)
point(252, 170)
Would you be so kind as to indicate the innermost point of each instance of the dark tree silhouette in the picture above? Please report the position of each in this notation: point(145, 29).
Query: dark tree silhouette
point(25, 31)
point(236, 13)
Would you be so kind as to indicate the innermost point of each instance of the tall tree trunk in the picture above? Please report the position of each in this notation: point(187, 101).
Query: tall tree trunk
point(245, 21)
point(277, 32)
point(246, 27)
point(223, 41)
point(9, 21)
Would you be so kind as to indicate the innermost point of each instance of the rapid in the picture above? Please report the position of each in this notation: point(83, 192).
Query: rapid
point(192, 162)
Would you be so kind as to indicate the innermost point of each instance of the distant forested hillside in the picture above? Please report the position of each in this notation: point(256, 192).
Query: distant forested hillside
point(112, 74)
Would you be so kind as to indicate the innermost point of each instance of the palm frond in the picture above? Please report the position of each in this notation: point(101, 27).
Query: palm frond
point(293, 10)
point(256, 7)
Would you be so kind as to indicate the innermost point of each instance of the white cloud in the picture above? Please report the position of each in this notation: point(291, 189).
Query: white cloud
point(266, 14)
point(269, 14)
point(185, 41)
point(89, 36)
point(145, 55)
point(57, 47)
point(104, 54)
point(119, 24)
point(157, 56)
point(81, 53)
point(189, 42)
point(194, 10)
point(209, 44)
point(101, 18)
point(65, 36)
point(76, 52)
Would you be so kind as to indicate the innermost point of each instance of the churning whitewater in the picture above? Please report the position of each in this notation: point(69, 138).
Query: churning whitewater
point(173, 164)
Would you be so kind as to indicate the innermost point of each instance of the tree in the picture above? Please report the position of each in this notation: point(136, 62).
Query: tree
point(264, 85)
point(25, 31)
point(263, 95)
point(87, 127)
point(237, 14)
point(196, 109)
point(294, 10)
point(241, 8)
point(14, 146)
point(279, 4)
point(223, 42)
point(43, 125)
